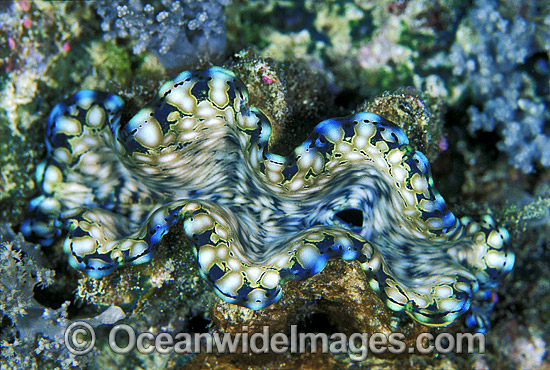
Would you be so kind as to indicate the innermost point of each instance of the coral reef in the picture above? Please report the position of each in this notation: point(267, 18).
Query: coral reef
point(35, 334)
point(179, 33)
point(26, 53)
point(497, 61)
point(364, 47)
point(525, 347)
point(42, 41)
point(420, 117)
point(479, 72)
point(494, 53)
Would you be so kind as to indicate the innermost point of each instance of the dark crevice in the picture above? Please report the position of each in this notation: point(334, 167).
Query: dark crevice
point(352, 217)
point(316, 323)
point(198, 323)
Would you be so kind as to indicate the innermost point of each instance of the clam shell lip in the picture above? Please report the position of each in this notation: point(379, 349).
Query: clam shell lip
point(198, 156)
